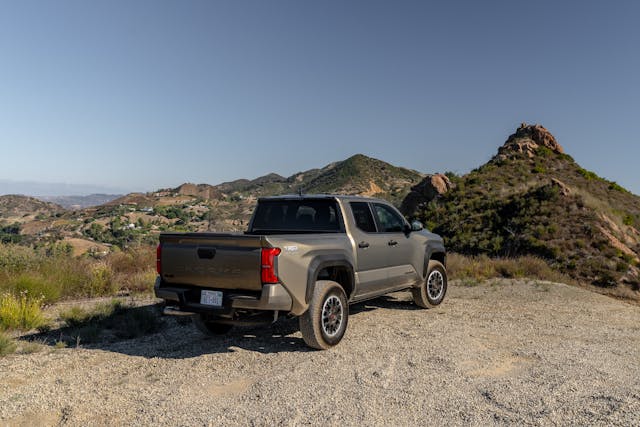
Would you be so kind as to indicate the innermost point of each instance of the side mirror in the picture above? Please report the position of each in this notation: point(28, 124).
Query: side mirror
point(416, 226)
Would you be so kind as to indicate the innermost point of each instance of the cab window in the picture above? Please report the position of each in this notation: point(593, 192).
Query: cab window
point(362, 216)
point(388, 219)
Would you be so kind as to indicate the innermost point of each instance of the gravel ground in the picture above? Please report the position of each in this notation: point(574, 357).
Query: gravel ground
point(507, 352)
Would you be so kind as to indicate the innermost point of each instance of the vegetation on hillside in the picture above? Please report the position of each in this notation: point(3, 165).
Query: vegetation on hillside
point(546, 206)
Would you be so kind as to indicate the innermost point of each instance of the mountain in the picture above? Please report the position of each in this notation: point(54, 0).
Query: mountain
point(80, 202)
point(19, 208)
point(532, 198)
point(228, 206)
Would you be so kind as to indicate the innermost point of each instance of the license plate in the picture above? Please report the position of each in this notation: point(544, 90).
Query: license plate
point(211, 298)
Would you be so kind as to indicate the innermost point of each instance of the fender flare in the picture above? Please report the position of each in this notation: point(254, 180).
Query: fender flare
point(321, 262)
point(432, 249)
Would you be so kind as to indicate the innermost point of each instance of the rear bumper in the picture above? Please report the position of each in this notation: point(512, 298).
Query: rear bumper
point(186, 300)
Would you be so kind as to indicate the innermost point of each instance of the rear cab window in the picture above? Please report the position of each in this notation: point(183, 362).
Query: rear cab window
point(296, 216)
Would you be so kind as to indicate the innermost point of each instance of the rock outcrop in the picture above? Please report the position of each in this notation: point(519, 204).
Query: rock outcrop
point(431, 187)
point(526, 141)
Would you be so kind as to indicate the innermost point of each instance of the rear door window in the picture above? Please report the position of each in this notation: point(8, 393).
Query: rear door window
point(362, 216)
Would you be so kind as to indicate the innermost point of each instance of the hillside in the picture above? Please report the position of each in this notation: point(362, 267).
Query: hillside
point(532, 198)
point(228, 206)
point(139, 217)
point(13, 205)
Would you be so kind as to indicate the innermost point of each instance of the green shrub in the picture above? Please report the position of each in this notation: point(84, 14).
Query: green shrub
point(33, 283)
point(587, 174)
point(101, 280)
point(21, 312)
point(77, 316)
point(538, 169)
point(17, 258)
point(617, 187)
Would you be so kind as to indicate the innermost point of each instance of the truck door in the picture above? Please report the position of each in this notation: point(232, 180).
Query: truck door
point(398, 254)
point(371, 250)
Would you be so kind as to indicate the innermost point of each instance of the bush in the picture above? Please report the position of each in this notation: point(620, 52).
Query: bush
point(34, 284)
point(51, 272)
point(77, 316)
point(21, 312)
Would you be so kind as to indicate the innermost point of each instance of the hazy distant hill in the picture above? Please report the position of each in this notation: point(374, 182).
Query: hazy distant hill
point(532, 198)
point(80, 202)
point(33, 188)
point(18, 207)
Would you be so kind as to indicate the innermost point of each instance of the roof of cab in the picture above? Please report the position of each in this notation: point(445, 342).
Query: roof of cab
point(319, 196)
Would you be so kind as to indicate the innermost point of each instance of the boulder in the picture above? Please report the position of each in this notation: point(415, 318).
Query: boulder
point(430, 188)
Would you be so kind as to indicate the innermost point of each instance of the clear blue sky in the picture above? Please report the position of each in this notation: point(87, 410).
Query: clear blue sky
point(140, 95)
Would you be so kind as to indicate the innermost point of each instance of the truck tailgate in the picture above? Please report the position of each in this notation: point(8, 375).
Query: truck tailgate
point(225, 261)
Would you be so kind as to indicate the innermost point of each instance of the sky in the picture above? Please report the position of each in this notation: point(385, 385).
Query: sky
point(140, 95)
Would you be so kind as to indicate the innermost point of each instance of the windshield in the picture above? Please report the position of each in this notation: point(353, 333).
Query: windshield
point(307, 216)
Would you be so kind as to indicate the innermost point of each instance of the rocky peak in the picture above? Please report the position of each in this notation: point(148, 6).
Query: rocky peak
point(526, 141)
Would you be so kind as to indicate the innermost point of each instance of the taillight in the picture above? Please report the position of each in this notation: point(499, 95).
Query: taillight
point(159, 259)
point(268, 262)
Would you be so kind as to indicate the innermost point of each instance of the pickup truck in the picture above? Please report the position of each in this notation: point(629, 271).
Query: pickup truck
point(308, 256)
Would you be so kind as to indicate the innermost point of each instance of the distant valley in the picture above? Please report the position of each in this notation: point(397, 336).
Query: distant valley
point(79, 202)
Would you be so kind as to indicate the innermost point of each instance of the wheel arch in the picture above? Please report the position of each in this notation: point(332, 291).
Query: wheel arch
point(434, 251)
point(336, 269)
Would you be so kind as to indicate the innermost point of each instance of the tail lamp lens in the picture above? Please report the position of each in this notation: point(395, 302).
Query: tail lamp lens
point(268, 262)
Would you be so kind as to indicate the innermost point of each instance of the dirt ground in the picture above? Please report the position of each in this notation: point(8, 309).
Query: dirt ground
point(508, 352)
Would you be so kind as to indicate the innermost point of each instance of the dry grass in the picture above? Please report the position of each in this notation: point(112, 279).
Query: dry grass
point(7, 344)
point(482, 268)
point(59, 276)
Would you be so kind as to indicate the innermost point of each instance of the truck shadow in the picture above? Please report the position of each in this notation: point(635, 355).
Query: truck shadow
point(143, 331)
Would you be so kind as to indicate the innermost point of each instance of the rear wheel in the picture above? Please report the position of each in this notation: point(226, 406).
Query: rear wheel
point(323, 325)
point(432, 291)
point(209, 327)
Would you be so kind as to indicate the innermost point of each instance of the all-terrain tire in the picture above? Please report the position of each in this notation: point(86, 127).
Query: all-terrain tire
point(433, 289)
point(323, 325)
point(209, 327)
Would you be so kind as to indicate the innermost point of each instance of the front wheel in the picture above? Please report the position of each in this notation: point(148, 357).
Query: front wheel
point(432, 291)
point(323, 325)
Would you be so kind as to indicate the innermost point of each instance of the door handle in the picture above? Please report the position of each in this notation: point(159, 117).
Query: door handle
point(363, 245)
point(392, 243)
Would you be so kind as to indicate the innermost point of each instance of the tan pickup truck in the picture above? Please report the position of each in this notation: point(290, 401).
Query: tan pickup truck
point(308, 256)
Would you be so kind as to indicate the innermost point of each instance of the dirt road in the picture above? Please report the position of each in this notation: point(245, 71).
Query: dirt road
point(503, 353)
